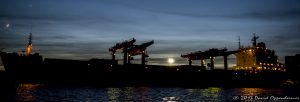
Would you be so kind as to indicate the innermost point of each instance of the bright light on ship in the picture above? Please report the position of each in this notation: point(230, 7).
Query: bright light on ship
point(171, 60)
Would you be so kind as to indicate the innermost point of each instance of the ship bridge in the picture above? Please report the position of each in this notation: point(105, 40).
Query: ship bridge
point(257, 58)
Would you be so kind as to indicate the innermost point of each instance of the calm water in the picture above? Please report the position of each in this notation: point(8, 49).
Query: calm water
point(42, 93)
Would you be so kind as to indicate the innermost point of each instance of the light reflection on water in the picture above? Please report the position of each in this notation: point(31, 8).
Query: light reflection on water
point(36, 92)
point(26, 92)
point(213, 93)
point(251, 91)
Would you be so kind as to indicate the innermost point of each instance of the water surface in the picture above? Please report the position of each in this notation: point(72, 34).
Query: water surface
point(42, 93)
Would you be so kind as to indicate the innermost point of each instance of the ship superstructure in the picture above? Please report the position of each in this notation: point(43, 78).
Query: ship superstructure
point(29, 45)
point(20, 62)
point(257, 58)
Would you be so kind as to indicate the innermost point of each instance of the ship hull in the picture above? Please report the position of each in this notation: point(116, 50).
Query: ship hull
point(107, 73)
point(14, 62)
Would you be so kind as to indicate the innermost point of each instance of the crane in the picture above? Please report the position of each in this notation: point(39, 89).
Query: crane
point(209, 54)
point(140, 50)
point(122, 46)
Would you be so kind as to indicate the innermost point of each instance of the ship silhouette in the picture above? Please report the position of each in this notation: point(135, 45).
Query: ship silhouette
point(33, 68)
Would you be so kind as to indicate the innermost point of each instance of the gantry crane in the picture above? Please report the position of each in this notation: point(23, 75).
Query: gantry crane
point(195, 56)
point(209, 54)
point(129, 50)
point(122, 46)
point(140, 50)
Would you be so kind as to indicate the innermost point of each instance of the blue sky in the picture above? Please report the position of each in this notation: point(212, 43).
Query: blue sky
point(84, 29)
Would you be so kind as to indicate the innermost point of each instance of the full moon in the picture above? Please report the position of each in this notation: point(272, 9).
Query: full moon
point(7, 25)
point(171, 60)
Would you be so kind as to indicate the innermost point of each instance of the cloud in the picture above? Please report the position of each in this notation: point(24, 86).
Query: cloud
point(64, 14)
point(289, 15)
point(275, 15)
point(186, 46)
point(85, 29)
point(286, 44)
point(263, 10)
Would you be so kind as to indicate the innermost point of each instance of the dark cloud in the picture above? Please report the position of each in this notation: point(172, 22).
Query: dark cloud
point(263, 15)
point(62, 14)
point(10, 36)
point(262, 10)
point(186, 46)
point(286, 44)
point(275, 15)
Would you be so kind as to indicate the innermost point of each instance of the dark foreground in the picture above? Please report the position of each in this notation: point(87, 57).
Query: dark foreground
point(145, 83)
point(157, 76)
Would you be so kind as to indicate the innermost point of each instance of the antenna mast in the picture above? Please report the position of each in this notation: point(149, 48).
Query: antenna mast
point(29, 45)
point(254, 39)
point(239, 42)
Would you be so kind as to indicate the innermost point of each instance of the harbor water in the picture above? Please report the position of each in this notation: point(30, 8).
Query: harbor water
point(63, 93)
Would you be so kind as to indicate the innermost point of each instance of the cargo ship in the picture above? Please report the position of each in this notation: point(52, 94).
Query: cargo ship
point(34, 68)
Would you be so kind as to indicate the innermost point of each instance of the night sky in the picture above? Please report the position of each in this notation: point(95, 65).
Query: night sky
point(84, 29)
